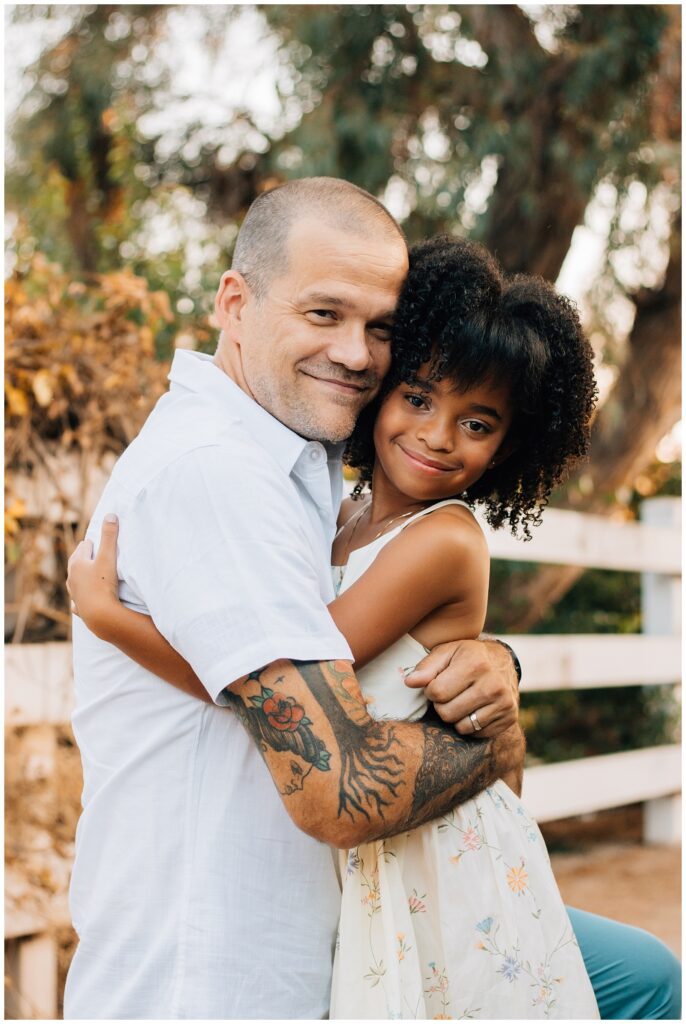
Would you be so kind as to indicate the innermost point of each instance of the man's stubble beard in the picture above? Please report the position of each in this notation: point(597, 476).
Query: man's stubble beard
point(300, 417)
point(332, 422)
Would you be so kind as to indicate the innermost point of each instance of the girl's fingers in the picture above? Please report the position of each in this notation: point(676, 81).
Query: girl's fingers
point(83, 550)
point(107, 552)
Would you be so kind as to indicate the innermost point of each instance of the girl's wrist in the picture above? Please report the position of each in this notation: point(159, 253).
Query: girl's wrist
point(101, 617)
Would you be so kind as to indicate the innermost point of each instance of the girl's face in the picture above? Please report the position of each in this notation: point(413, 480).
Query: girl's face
point(433, 442)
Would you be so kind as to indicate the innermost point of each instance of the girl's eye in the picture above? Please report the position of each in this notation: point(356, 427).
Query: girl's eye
point(416, 401)
point(477, 427)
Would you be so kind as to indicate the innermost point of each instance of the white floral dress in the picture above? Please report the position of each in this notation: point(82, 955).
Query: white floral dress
point(460, 918)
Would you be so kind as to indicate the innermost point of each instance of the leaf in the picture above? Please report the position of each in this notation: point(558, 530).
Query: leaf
point(257, 701)
point(43, 387)
point(17, 401)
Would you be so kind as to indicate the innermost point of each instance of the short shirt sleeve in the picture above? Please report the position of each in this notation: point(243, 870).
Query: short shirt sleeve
point(219, 548)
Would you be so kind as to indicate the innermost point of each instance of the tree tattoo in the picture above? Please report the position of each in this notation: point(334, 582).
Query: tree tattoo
point(371, 771)
point(373, 759)
point(448, 761)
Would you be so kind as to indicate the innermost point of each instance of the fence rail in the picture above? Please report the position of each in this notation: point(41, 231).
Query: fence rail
point(38, 696)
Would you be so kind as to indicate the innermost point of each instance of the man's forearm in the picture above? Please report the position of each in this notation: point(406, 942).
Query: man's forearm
point(345, 777)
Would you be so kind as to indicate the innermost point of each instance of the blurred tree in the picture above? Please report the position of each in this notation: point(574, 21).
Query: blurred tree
point(75, 133)
point(491, 120)
point(449, 98)
point(87, 187)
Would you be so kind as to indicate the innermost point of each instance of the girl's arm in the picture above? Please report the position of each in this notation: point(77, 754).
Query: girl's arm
point(93, 587)
point(442, 559)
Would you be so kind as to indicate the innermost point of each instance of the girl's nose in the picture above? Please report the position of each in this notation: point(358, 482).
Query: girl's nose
point(437, 434)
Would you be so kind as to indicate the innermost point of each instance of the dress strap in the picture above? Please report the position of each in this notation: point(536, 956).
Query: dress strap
point(428, 510)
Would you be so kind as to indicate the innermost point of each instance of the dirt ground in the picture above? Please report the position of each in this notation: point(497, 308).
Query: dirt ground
point(601, 866)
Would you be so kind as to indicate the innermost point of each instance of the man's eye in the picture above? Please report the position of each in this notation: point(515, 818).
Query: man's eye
point(325, 314)
point(382, 331)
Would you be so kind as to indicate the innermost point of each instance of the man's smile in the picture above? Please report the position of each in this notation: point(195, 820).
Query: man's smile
point(344, 387)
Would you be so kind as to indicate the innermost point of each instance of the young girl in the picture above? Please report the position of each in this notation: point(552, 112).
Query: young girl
point(488, 401)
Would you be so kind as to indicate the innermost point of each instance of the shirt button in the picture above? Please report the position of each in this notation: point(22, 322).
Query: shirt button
point(316, 454)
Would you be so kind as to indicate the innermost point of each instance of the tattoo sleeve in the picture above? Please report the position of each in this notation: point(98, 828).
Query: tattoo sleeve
point(363, 778)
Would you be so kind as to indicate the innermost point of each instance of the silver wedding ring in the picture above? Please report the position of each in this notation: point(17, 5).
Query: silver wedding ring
point(475, 722)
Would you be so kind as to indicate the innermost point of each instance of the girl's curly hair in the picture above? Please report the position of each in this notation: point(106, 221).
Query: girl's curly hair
point(459, 313)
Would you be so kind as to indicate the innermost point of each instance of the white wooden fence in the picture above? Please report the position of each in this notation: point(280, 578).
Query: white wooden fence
point(39, 695)
point(653, 548)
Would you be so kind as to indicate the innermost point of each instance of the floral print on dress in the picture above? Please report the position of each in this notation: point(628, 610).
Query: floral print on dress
point(459, 919)
point(416, 904)
point(541, 979)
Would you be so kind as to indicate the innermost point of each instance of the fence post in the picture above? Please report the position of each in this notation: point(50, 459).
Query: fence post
point(661, 616)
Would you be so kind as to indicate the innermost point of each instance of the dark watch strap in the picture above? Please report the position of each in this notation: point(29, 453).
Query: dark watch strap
point(515, 659)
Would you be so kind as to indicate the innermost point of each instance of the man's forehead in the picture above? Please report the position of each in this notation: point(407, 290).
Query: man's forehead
point(318, 244)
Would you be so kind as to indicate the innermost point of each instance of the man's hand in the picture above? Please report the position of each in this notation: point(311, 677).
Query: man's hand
point(470, 677)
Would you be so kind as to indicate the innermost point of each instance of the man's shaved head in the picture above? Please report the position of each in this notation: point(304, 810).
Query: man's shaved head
point(261, 251)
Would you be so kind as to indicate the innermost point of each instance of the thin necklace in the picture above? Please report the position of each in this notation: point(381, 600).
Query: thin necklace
point(358, 518)
point(395, 519)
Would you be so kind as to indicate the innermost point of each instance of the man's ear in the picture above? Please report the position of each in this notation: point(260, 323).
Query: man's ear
point(229, 305)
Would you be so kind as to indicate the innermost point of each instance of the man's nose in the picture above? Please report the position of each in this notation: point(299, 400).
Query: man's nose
point(351, 347)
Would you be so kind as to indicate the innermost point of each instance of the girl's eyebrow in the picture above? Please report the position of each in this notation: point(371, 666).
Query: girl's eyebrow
point(487, 410)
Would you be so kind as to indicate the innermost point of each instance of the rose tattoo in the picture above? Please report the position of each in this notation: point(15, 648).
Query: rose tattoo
point(283, 725)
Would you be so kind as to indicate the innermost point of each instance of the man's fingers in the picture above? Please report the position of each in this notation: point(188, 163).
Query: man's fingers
point(486, 718)
point(432, 665)
point(459, 709)
point(107, 552)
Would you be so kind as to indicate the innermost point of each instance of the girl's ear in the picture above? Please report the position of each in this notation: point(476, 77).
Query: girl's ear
point(509, 445)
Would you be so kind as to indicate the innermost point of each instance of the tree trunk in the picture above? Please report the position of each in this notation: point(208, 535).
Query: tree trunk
point(537, 241)
point(643, 405)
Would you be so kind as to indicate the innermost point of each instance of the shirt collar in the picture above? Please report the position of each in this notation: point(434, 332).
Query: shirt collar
point(198, 372)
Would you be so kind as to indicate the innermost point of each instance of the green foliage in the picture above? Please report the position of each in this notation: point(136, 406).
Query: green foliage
point(441, 99)
point(572, 724)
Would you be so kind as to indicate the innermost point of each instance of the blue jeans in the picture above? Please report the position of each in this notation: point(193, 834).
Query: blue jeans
point(634, 975)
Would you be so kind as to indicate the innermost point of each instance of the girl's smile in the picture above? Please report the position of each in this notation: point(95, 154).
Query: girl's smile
point(433, 441)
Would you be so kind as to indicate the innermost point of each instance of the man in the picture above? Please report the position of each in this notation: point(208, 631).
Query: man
point(194, 894)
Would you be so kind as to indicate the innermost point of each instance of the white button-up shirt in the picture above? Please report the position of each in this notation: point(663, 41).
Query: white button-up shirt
point(193, 894)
